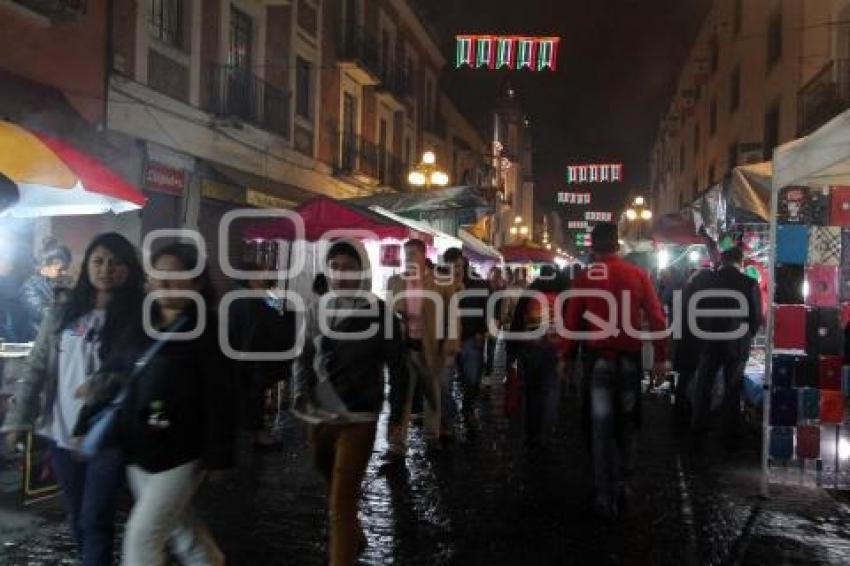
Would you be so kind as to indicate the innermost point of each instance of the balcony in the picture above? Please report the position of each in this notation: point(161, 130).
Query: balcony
point(824, 97)
point(394, 82)
point(360, 160)
point(236, 93)
point(357, 53)
point(55, 10)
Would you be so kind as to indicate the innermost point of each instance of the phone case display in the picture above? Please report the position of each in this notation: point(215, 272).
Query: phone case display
point(840, 210)
point(783, 407)
point(824, 333)
point(781, 443)
point(824, 245)
point(790, 282)
point(809, 394)
point(792, 244)
point(790, 327)
point(822, 282)
point(794, 205)
point(806, 374)
point(845, 380)
point(808, 442)
point(819, 206)
point(809, 409)
point(784, 369)
point(831, 407)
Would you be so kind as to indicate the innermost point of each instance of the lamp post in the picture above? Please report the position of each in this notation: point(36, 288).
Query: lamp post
point(519, 230)
point(639, 213)
point(427, 174)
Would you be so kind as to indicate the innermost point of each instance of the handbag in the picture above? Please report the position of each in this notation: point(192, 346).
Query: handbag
point(840, 210)
point(819, 206)
point(823, 286)
point(794, 205)
point(102, 425)
point(792, 244)
point(825, 245)
point(790, 327)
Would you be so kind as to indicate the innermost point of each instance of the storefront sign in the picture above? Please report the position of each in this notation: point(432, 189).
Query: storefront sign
point(599, 216)
point(573, 198)
point(159, 177)
point(221, 191)
point(595, 173)
point(264, 200)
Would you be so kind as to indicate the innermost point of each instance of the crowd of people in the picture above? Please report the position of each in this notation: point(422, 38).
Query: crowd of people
point(133, 365)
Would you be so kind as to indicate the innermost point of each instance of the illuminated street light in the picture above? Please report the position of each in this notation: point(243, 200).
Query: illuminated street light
point(631, 214)
point(427, 174)
point(518, 220)
point(640, 201)
point(523, 230)
point(646, 214)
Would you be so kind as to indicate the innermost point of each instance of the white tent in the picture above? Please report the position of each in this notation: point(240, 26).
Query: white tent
point(822, 158)
point(818, 160)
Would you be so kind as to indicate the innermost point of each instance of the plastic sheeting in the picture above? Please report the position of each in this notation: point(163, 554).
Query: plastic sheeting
point(820, 159)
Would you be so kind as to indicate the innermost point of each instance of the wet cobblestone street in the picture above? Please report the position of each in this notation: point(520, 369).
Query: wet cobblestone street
point(487, 500)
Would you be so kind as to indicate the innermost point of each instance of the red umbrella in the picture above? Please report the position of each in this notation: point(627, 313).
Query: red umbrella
point(526, 253)
point(322, 215)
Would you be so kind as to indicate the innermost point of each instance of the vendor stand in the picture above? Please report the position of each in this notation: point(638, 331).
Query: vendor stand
point(806, 434)
point(53, 178)
point(528, 256)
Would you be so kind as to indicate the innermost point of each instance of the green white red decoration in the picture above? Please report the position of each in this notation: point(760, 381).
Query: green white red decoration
point(507, 52)
point(595, 173)
point(573, 198)
point(599, 216)
point(577, 224)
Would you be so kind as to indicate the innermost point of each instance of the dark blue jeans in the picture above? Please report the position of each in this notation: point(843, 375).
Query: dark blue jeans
point(538, 367)
point(90, 489)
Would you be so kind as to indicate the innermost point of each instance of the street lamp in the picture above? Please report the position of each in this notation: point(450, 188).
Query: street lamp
point(639, 212)
point(427, 174)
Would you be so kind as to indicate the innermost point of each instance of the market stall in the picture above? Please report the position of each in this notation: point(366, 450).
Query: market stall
point(528, 256)
point(51, 178)
point(276, 244)
point(806, 437)
point(483, 257)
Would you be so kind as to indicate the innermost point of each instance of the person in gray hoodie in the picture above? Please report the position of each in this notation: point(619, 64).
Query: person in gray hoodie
point(351, 336)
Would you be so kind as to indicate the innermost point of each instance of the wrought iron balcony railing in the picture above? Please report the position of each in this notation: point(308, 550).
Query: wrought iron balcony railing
point(238, 93)
point(824, 97)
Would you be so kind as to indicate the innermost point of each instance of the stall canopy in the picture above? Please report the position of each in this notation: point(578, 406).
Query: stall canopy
point(55, 178)
point(749, 193)
point(822, 158)
point(477, 250)
point(526, 253)
point(676, 228)
point(322, 215)
point(442, 241)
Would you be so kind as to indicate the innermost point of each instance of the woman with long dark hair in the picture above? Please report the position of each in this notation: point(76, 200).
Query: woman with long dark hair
point(178, 420)
point(96, 320)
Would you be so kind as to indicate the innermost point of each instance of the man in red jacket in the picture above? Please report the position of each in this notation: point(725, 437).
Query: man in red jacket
point(607, 305)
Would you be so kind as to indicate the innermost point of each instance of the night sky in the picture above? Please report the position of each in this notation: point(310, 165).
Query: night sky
point(617, 68)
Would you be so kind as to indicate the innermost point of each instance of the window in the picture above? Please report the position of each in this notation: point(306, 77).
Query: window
point(166, 22)
point(735, 90)
point(771, 130)
point(774, 38)
point(429, 104)
point(410, 74)
point(407, 150)
point(349, 130)
point(382, 152)
point(712, 117)
point(711, 172)
point(696, 139)
point(303, 89)
point(695, 191)
point(241, 40)
point(714, 47)
point(307, 17)
point(682, 158)
point(737, 17)
point(733, 155)
point(386, 54)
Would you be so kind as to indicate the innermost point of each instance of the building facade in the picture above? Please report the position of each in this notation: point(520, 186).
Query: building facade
point(760, 73)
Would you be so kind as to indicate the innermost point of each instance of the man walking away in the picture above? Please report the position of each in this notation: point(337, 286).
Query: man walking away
point(613, 360)
point(736, 291)
point(539, 357)
point(473, 330)
point(340, 387)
